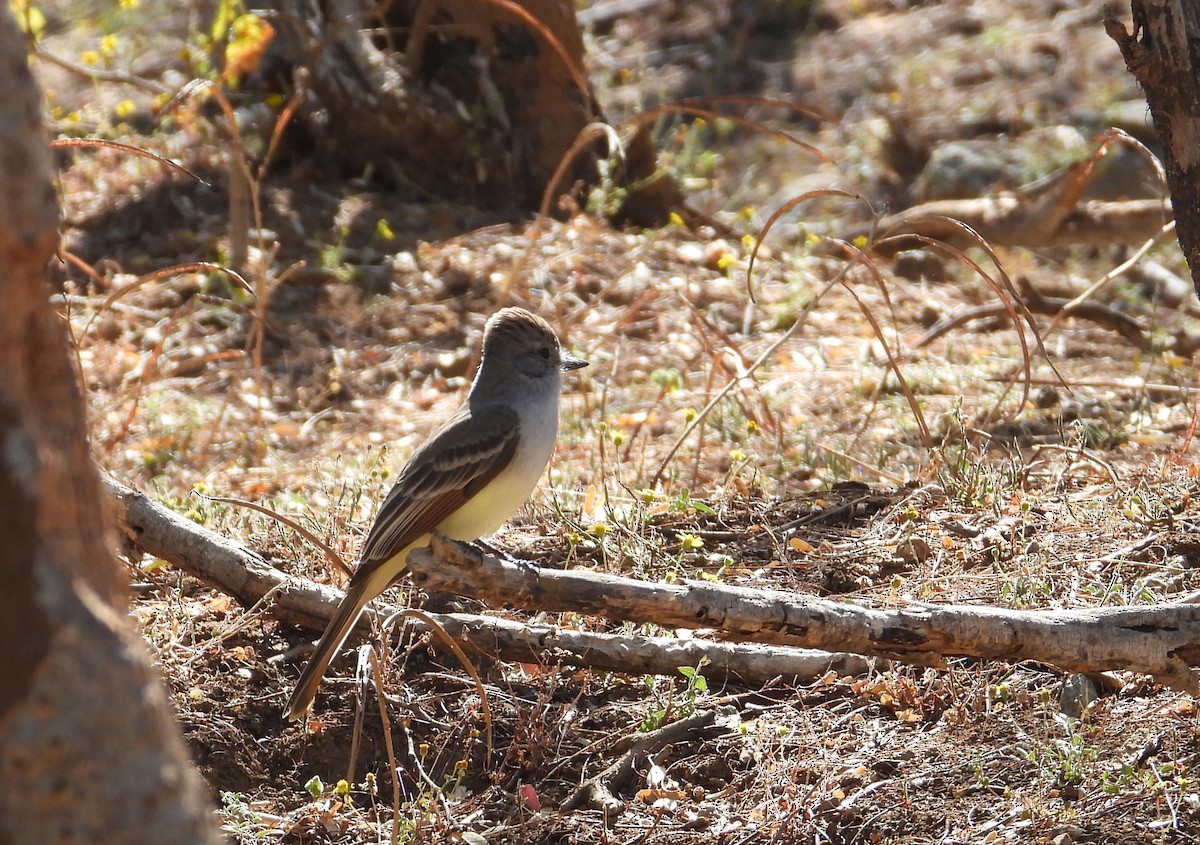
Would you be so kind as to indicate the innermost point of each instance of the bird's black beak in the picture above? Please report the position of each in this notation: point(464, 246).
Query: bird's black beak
point(570, 362)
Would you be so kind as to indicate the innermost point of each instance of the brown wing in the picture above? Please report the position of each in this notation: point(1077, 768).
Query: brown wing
point(450, 468)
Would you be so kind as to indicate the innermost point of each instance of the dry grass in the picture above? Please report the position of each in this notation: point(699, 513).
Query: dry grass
point(791, 483)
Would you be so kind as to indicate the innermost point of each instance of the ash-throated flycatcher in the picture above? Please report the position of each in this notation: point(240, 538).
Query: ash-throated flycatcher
point(468, 478)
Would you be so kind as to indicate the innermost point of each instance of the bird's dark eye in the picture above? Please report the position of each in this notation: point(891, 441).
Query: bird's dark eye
point(545, 352)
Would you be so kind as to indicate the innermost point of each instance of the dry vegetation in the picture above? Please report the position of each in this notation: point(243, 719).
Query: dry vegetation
point(813, 473)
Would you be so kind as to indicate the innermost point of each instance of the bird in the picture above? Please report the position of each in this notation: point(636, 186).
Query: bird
point(467, 479)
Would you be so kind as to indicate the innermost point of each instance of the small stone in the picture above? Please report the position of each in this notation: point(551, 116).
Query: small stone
point(715, 253)
point(1046, 397)
point(1067, 834)
point(913, 551)
point(966, 169)
point(1076, 694)
point(404, 262)
point(919, 265)
point(690, 253)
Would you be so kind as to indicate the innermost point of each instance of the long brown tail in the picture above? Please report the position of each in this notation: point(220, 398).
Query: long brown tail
point(357, 596)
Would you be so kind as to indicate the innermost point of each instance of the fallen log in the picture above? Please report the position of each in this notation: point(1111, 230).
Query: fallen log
point(1183, 342)
point(1011, 220)
point(1162, 641)
point(245, 575)
point(1050, 212)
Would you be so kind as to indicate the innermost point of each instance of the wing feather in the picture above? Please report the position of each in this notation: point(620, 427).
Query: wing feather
point(450, 468)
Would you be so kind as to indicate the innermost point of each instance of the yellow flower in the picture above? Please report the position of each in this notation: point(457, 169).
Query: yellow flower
point(689, 542)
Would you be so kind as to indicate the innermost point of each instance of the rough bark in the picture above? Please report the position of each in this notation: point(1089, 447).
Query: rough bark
point(1163, 53)
point(460, 98)
point(1162, 641)
point(88, 750)
point(247, 577)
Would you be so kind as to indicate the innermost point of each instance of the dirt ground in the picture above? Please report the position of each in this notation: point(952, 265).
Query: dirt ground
point(817, 472)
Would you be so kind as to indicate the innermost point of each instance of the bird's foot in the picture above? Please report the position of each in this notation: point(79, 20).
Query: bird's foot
point(487, 548)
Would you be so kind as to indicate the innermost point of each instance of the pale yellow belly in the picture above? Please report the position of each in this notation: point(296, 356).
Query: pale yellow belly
point(491, 507)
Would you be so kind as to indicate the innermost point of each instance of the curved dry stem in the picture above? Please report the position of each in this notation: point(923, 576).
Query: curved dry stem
point(175, 270)
point(377, 674)
point(1113, 135)
point(761, 359)
point(705, 325)
point(469, 667)
point(78, 263)
point(1012, 304)
point(242, 185)
point(285, 117)
point(65, 143)
point(587, 135)
point(784, 209)
point(1109, 318)
point(98, 74)
point(195, 87)
point(1115, 273)
point(1004, 289)
point(858, 255)
point(332, 556)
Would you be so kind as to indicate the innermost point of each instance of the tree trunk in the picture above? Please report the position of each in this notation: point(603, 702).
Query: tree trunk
point(88, 749)
point(1163, 54)
point(462, 99)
